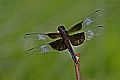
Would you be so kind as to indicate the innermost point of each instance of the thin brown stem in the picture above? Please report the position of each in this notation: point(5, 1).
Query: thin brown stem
point(77, 70)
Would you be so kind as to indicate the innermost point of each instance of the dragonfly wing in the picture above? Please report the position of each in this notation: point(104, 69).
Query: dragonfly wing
point(41, 36)
point(41, 49)
point(58, 45)
point(91, 33)
point(77, 39)
point(50, 47)
point(53, 35)
point(92, 18)
point(76, 27)
point(35, 36)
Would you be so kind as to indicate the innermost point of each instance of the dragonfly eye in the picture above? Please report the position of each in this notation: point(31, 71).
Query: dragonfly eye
point(61, 27)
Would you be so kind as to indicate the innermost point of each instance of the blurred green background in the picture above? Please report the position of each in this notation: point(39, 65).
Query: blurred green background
point(100, 58)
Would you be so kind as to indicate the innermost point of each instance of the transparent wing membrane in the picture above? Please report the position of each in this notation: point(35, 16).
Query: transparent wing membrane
point(91, 33)
point(92, 18)
point(41, 49)
point(41, 36)
point(35, 36)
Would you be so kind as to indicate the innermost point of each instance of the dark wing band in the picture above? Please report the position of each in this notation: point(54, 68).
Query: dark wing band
point(58, 45)
point(77, 39)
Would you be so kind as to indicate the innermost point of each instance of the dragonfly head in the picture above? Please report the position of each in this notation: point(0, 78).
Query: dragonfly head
point(61, 27)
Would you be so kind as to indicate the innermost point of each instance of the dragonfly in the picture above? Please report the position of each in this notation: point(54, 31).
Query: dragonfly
point(67, 38)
